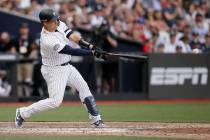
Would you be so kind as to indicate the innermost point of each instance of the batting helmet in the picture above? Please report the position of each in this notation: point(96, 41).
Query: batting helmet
point(47, 15)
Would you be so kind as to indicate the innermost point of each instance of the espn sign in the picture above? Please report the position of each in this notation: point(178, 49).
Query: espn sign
point(178, 75)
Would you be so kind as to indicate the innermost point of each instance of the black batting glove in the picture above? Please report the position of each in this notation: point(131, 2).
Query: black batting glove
point(99, 53)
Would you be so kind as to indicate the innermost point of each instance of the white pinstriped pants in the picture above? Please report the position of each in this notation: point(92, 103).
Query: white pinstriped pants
point(57, 78)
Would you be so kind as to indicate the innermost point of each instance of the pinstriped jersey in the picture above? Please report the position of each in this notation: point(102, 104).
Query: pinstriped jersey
point(53, 42)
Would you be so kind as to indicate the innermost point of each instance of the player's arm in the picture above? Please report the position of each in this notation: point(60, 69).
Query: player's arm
point(62, 48)
point(75, 51)
point(97, 52)
point(81, 52)
point(77, 38)
point(55, 44)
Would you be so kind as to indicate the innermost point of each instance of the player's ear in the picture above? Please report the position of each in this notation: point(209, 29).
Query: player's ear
point(43, 23)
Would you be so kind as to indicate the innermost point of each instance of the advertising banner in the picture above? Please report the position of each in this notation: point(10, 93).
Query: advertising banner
point(179, 76)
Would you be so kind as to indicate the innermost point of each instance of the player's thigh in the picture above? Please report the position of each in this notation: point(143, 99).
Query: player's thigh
point(56, 79)
point(76, 80)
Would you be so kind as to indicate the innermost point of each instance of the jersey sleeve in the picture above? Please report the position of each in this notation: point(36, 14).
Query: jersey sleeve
point(54, 44)
point(63, 27)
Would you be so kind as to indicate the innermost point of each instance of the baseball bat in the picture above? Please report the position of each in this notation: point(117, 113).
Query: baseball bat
point(127, 56)
point(138, 57)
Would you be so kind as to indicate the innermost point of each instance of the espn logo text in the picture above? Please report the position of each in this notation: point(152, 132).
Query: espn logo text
point(179, 75)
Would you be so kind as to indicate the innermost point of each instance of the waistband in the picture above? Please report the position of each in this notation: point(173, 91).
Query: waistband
point(64, 64)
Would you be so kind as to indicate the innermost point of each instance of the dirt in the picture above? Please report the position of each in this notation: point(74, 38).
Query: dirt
point(199, 131)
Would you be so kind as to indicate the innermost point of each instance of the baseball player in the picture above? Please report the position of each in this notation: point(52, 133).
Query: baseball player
point(56, 50)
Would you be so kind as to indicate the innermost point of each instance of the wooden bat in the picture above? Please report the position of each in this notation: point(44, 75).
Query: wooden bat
point(127, 56)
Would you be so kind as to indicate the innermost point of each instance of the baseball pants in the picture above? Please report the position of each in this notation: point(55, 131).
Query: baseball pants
point(57, 78)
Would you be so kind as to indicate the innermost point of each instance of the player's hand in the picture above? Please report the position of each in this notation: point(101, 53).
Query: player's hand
point(92, 47)
point(99, 53)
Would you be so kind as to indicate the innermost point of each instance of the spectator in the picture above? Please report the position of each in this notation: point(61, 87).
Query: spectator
point(185, 46)
point(5, 87)
point(24, 48)
point(5, 43)
point(116, 29)
point(174, 45)
point(171, 12)
point(194, 8)
point(195, 41)
point(196, 47)
point(151, 4)
point(110, 70)
point(7, 4)
point(5, 47)
point(147, 46)
point(50, 4)
point(179, 49)
point(187, 30)
point(34, 9)
point(150, 17)
point(171, 46)
point(200, 25)
point(140, 30)
point(108, 43)
point(23, 41)
point(154, 38)
point(23, 4)
point(198, 6)
point(97, 18)
point(206, 46)
point(81, 9)
point(160, 48)
point(159, 22)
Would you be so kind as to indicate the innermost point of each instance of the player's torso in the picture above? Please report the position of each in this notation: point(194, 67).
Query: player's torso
point(51, 57)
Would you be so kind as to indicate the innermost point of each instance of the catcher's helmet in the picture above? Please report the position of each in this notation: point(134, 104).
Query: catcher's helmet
point(47, 15)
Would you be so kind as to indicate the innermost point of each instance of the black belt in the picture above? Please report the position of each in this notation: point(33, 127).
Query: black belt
point(64, 64)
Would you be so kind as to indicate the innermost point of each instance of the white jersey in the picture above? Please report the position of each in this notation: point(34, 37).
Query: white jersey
point(53, 42)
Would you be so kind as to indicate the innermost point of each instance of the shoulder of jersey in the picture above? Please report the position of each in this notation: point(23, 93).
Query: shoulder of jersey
point(62, 26)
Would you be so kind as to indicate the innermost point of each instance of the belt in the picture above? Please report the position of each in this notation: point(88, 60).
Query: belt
point(64, 64)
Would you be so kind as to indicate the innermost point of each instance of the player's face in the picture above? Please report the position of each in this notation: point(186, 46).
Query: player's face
point(51, 25)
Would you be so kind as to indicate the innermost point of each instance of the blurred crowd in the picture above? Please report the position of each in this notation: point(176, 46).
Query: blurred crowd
point(163, 26)
point(26, 48)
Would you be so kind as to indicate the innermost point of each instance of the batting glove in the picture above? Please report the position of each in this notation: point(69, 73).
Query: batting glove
point(99, 53)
